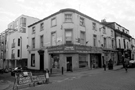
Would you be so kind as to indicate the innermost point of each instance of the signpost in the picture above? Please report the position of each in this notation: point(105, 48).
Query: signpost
point(20, 80)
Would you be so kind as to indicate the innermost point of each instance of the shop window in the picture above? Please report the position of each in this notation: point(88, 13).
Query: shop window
point(55, 63)
point(82, 61)
point(33, 60)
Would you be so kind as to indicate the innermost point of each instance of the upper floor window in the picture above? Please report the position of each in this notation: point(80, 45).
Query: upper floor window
point(119, 44)
point(127, 45)
point(94, 26)
point(23, 30)
point(123, 30)
point(18, 41)
point(104, 30)
point(41, 41)
point(94, 40)
point(33, 42)
point(53, 22)
point(112, 43)
point(23, 22)
point(68, 36)
point(112, 33)
point(18, 53)
point(33, 30)
point(53, 38)
point(68, 17)
point(82, 21)
point(82, 38)
point(105, 42)
point(41, 26)
point(118, 28)
point(124, 43)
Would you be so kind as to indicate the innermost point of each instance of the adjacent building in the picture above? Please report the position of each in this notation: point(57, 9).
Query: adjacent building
point(3, 50)
point(132, 48)
point(70, 39)
point(17, 41)
point(123, 40)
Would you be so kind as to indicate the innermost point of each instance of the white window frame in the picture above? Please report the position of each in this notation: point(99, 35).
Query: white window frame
point(82, 21)
point(53, 22)
point(68, 17)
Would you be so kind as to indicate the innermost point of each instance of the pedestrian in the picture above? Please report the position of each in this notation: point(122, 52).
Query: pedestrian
point(104, 66)
point(47, 76)
point(126, 62)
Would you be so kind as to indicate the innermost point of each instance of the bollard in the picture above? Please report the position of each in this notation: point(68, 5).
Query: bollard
point(62, 70)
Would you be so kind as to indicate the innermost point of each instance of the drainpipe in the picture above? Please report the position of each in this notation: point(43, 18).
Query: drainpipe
point(20, 47)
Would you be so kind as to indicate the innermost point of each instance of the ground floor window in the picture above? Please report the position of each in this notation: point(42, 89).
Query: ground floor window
point(33, 60)
point(95, 61)
point(55, 61)
point(82, 61)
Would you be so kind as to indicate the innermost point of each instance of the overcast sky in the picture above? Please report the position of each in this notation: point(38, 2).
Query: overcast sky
point(120, 11)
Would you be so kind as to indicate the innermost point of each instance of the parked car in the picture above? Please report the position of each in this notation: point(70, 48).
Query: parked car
point(132, 63)
point(16, 70)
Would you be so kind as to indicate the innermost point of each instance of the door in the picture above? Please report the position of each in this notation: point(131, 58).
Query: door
point(69, 63)
point(41, 62)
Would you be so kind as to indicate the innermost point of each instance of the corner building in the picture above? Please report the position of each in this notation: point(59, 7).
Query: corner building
point(67, 39)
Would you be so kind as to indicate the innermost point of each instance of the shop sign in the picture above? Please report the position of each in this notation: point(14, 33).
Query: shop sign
point(55, 48)
point(69, 48)
point(83, 48)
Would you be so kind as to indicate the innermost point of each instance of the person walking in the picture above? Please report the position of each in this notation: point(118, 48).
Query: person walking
point(126, 62)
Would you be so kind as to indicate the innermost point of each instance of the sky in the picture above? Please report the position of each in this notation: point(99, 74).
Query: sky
point(120, 11)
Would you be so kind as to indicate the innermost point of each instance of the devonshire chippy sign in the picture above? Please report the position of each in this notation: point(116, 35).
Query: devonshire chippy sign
point(28, 79)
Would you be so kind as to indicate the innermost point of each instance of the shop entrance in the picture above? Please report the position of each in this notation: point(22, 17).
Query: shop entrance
point(95, 61)
point(41, 58)
point(41, 62)
point(69, 63)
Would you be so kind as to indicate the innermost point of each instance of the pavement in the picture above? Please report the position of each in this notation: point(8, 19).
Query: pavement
point(7, 85)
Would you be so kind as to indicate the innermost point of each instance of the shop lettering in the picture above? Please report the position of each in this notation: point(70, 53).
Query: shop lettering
point(69, 48)
point(24, 80)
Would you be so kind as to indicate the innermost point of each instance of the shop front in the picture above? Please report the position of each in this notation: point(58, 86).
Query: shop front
point(110, 55)
point(73, 57)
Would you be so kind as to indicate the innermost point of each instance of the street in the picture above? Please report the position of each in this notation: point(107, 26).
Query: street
point(108, 80)
point(97, 79)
